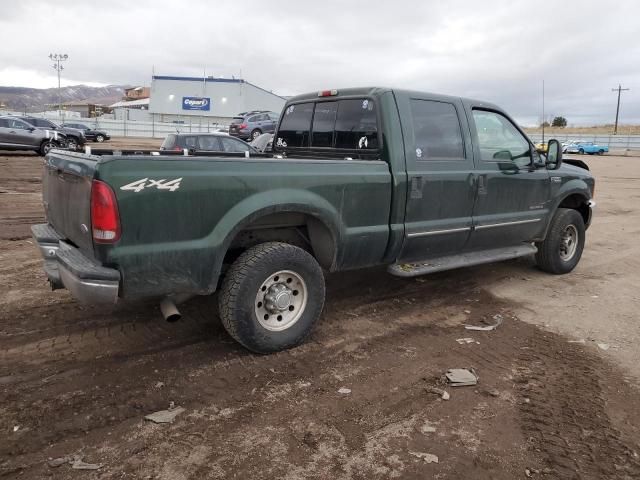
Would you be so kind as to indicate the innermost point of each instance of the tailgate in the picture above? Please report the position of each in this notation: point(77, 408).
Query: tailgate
point(66, 194)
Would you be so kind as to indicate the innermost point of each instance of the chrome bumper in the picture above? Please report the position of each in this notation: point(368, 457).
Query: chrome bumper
point(66, 267)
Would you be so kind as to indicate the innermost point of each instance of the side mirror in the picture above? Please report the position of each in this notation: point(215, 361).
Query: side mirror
point(554, 155)
point(31, 129)
point(503, 155)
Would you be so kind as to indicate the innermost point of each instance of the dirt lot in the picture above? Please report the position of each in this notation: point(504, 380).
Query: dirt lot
point(77, 380)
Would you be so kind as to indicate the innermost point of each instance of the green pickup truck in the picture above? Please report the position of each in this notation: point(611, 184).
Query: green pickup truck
point(357, 178)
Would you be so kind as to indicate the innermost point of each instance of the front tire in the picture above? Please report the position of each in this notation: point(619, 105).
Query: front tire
point(560, 252)
point(72, 143)
point(271, 297)
point(99, 138)
point(45, 147)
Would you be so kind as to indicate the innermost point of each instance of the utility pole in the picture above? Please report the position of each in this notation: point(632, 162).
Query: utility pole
point(58, 58)
point(619, 89)
point(543, 119)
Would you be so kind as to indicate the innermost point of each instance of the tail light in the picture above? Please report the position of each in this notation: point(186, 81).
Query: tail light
point(242, 126)
point(105, 220)
point(177, 148)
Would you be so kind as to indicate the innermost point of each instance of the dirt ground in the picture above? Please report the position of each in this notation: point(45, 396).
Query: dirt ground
point(550, 403)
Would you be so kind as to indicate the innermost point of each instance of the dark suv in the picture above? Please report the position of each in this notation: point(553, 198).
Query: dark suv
point(75, 138)
point(250, 125)
point(91, 134)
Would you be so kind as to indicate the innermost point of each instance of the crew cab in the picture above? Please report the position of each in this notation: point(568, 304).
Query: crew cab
point(357, 178)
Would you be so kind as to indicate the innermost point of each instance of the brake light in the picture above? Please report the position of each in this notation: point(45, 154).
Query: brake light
point(243, 125)
point(327, 93)
point(105, 220)
point(177, 148)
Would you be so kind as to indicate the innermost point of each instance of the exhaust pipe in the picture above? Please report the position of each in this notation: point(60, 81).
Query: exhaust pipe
point(168, 306)
point(169, 310)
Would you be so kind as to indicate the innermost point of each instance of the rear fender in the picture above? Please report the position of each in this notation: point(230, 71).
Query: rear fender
point(265, 203)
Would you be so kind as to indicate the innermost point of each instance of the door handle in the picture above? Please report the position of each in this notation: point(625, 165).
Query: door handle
point(482, 184)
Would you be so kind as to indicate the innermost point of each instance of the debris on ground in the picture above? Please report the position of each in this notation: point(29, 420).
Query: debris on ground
point(159, 384)
point(427, 429)
point(466, 341)
point(56, 462)
point(582, 341)
point(461, 377)
point(16, 428)
point(78, 464)
point(603, 346)
point(344, 391)
point(498, 321)
point(438, 391)
point(165, 416)
point(426, 457)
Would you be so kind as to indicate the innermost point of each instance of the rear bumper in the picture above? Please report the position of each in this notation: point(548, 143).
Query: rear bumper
point(67, 267)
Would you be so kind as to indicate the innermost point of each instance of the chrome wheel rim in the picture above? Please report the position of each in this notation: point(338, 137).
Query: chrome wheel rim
point(568, 243)
point(281, 300)
point(47, 147)
point(100, 139)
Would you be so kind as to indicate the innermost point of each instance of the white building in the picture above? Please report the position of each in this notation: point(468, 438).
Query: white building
point(194, 100)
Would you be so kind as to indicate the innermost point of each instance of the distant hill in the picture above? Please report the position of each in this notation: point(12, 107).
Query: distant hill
point(35, 99)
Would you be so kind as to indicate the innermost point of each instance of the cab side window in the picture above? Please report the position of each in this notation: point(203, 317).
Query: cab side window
point(356, 125)
point(499, 140)
point(436, 130)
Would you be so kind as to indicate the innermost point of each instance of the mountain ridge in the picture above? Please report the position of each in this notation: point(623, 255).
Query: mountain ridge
point(36, 99)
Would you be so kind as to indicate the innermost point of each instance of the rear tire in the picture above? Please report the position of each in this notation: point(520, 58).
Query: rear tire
point(271, 297)
point(255, 134)
point(581, 151)
point(99, 138)
point(600, 152)
point(560, 252)
point(72, 143)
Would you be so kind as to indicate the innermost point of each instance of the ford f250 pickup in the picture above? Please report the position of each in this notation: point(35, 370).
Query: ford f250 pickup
point(357, 178)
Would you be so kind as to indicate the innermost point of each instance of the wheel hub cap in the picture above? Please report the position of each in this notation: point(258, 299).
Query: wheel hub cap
point(281, 300)
point(568, 243)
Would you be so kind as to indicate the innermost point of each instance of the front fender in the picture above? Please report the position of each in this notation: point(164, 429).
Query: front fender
point(575, 186)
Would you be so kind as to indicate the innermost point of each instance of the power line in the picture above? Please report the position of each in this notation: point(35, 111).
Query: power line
point(619, 89)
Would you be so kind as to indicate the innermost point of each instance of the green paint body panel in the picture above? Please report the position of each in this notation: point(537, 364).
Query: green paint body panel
point(377, 211)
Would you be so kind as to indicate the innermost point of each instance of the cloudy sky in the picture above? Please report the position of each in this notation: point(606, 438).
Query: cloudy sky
point(499, 51)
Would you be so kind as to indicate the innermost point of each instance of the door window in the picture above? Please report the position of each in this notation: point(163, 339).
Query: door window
point(18, 124)
point(437, 131)
point(209, 143)
point(499, 140)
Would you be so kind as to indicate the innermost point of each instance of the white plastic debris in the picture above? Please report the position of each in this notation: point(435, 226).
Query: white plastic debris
point(461, 377)
point(425, 457)
point(464, 341)
point(498, 319)
point(80, 465)
point(582, 341)
point(16, 428)
point(428, 429)
point(438, 391)
point(165, 416)
point(344, 391)
point(603, 346)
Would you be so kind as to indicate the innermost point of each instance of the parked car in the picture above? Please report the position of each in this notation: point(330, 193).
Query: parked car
point(587, 147)
point(91, 134)
point(360, 177)
point(542, 147)
point(264, 143)
point(250, 125)
point(567, 144)
point(211, 142)
point(16, 134)
point(74, 138)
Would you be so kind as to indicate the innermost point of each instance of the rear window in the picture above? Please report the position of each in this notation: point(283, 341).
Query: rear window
point(349, 124)
point(237, 120)
point(295, 126)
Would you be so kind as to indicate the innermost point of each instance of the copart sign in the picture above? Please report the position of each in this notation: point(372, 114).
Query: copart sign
point(196, 103)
